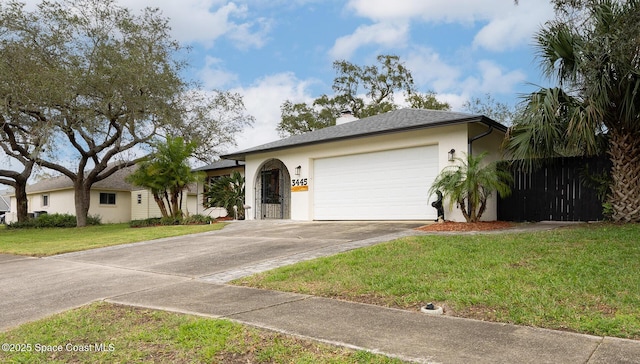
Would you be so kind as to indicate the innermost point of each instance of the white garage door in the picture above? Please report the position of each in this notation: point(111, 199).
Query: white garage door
point(388, 185)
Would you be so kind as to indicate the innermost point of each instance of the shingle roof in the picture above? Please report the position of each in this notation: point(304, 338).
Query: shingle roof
point(114, 182)
point(221, 164)
point(390, 122)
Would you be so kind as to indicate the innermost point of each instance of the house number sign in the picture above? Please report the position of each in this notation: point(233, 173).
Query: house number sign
point(299, 185)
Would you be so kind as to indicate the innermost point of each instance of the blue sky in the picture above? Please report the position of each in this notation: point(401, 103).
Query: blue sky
point(275, 50)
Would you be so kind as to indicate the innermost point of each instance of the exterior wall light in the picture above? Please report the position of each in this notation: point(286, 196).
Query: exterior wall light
point(451, 154)
point(298, 169)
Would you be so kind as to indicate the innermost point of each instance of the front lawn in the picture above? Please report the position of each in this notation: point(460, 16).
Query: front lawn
point(106, 333)
point(51, 241)
point(584, 279)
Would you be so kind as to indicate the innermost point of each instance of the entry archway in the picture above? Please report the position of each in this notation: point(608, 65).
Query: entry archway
point(273, 191)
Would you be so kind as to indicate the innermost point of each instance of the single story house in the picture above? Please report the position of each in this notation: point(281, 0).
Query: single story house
point(116, 200)
point(110, 198)
point(375, 168)
point(4, 204)
point(143, 205)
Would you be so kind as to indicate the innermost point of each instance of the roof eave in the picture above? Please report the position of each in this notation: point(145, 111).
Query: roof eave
point(240, 156)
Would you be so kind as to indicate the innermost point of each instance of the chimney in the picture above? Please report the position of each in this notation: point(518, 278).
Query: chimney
point(345, 117)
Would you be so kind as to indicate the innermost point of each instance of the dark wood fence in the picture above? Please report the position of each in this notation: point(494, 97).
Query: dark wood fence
point(555, 192)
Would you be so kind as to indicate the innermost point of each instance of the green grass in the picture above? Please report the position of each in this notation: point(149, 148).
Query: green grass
point(584, 279)
point(51, 241)
point(133, 335)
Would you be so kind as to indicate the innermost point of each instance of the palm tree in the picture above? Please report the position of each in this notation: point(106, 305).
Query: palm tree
point(592, 49)
point(470, 182)
point(167, 174)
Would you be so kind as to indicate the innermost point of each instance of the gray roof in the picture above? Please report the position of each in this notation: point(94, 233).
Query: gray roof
point(221, 164)
point(390, 122)
point(114, 182)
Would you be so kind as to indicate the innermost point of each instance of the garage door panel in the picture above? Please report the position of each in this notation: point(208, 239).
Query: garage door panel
point(388, 185)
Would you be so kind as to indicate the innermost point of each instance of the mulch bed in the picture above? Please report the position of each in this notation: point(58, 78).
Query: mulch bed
point(466, 226)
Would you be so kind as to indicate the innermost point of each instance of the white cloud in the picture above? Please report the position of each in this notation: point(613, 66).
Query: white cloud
point(214, 76)
point(515, 28)
point(463, 11)
point(263, 99)
point(506, 25)
point(430, 71)
point(392, 35)
point(492, 79)
point(205, 21)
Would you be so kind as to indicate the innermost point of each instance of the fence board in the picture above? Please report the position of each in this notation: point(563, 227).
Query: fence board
point(554, 192)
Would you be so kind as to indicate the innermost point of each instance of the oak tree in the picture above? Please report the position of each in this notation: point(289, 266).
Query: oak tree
point(106, 82)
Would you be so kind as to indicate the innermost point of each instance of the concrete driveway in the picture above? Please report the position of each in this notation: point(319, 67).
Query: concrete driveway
point(32, 288)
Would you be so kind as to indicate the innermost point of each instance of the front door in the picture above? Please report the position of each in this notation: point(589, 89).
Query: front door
point(273, 191)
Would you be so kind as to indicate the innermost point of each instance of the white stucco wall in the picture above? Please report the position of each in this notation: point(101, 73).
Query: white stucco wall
point(62, 202)
point(491, 144)
point(120, 212)
point(446, 138)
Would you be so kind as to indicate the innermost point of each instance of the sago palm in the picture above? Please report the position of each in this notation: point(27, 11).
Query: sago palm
point(592, 50)
point(469, 184)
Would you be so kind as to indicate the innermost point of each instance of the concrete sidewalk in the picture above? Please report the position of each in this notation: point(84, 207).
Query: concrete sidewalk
point(407, 335)
point(189, 274)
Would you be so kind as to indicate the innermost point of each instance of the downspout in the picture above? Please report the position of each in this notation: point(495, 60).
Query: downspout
point(470, 153)
point(479, 136)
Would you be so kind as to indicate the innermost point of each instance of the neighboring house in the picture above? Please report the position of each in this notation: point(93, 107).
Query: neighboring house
point(114, 199)
point(5, 205)
point(110, 198)
point(376, 168)
point(214, 171)
point(143, 205)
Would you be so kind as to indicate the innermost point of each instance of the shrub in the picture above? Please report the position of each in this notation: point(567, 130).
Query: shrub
point(53, 221)
point(152, 221)
point(227, 192)
point(197, 219)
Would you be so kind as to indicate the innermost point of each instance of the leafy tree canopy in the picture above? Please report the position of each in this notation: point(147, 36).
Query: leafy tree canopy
point(592, 51)
point(167, 173)
point(491, 108)
point(98, 83)
point(363, 90)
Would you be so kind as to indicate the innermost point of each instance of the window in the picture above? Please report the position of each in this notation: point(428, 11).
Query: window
point(208, 182)
point(45, 200)
point(270, 186)
point(107, 198)
point(139, 199)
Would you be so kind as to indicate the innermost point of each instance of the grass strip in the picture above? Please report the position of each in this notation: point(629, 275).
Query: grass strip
point(51, 241)
point(107, 333)
point(584, 279)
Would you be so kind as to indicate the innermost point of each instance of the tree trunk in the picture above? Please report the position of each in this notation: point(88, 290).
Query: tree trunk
point(175, 208)
point(463, 208)
point(83, 201)
point(21, 200)
point(19, 183)
point(624, 153)
point(160, 202)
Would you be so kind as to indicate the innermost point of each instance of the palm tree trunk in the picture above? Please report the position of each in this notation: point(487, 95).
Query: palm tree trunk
point(160, 203)
point(624, 153)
